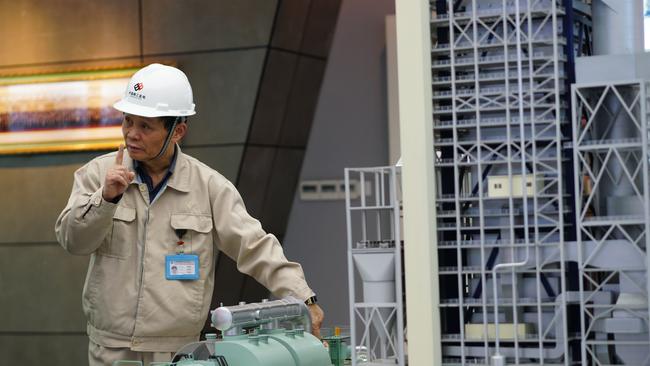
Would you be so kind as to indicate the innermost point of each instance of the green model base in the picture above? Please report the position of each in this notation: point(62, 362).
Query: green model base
point(265, 348)
point(276, 347)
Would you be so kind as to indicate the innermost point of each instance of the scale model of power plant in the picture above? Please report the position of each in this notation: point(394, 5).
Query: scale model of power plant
point(540, 135)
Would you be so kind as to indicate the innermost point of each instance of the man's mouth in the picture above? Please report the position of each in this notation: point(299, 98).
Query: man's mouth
point(133, 148)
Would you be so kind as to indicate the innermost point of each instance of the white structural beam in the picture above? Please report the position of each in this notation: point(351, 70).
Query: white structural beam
point(418, 183)
point(394, 153)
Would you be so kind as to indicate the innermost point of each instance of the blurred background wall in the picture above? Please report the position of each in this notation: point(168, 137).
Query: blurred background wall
point(257, 68)
point(350, 130)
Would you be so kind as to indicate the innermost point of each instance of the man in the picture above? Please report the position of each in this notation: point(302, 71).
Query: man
point(142, 211)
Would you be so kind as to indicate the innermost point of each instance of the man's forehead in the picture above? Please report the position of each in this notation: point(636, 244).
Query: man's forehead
point(149, 120)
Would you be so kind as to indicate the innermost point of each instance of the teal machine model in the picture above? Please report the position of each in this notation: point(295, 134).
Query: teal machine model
point(279, 334)
point(270, 333)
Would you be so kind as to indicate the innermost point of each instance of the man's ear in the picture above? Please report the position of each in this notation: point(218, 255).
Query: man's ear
point(179, 132)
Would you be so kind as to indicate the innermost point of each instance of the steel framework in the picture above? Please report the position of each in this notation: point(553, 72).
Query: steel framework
point(375, 264)
point(610, 140)
point(498, 115)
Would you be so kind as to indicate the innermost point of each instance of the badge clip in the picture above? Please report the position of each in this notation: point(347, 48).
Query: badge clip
point(180, 243)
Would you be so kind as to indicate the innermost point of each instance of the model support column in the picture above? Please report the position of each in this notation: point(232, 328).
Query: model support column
point(416, 129)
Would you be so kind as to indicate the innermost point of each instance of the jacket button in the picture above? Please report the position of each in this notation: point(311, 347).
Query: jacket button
point(142, 188)
point(98, 200)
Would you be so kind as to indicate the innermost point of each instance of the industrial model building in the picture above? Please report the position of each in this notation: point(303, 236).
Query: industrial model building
point(540, 161)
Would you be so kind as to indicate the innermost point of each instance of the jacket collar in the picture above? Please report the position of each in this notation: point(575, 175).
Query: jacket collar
point(179, 180)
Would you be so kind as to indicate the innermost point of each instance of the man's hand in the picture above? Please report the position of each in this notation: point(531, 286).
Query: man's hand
point(117, 178)
point(317, 316)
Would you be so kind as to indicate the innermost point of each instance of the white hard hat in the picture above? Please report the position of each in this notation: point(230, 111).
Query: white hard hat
point(157, 91)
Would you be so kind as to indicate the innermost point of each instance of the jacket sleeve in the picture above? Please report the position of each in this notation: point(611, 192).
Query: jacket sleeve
point(257, 253)
point(87, 218)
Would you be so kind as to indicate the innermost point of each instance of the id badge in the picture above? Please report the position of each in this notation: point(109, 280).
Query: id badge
point(182, 267)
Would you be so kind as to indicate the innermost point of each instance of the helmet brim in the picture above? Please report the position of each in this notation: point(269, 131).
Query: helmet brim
point(143, 111)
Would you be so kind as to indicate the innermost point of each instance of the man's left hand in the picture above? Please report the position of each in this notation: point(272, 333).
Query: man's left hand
point(317, 316)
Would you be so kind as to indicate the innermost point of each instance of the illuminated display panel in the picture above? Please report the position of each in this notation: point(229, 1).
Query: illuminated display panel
point(67, 111)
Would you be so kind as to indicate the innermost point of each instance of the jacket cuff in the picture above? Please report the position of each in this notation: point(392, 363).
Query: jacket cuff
point(99, 206)
point(303, 293)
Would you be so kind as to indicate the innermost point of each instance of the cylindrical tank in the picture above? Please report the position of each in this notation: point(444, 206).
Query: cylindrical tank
point(253, 350)
point(304, 347)
point(617, 26)
point(254, 314)
point(617, 29)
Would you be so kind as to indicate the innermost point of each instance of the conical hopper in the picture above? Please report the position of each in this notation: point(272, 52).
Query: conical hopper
point(377, 271)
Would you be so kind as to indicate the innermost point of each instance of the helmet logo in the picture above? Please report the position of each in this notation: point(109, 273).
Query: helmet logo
point(137, 87)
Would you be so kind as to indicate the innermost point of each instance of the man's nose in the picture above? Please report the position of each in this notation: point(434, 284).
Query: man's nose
point(132, 133)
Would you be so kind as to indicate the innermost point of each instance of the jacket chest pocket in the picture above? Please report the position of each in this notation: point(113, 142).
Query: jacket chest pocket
point(124, 234)
point(196, 231)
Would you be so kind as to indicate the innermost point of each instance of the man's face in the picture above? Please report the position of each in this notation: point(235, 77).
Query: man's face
point(143, 136)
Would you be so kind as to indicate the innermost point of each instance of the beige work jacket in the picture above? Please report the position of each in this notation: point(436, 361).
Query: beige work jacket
point(126, 297)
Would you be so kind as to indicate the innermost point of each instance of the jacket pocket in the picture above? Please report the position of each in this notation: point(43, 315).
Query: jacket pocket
point(198, 223)
point(122, 240)
point(197, 233)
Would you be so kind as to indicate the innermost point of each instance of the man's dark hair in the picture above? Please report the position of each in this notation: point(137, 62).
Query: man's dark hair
point(168, 121)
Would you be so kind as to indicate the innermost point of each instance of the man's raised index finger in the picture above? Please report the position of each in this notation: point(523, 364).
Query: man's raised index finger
point(120, 155)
